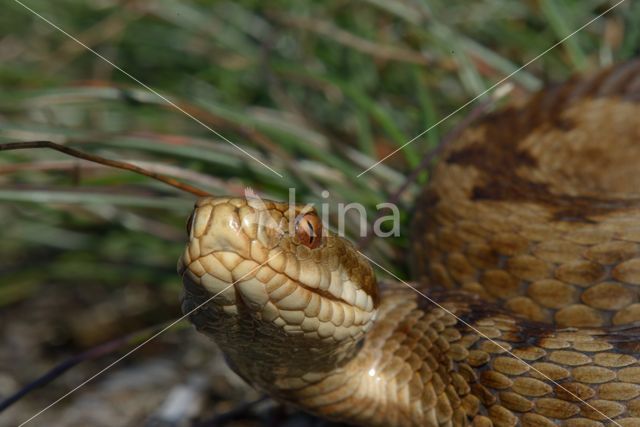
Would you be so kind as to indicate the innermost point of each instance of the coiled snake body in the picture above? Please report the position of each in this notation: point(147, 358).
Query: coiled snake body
point(528, 239)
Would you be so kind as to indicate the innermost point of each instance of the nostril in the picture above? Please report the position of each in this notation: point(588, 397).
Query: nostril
point(190, 223)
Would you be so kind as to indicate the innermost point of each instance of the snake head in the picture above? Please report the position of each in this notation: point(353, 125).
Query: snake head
point(275, 270)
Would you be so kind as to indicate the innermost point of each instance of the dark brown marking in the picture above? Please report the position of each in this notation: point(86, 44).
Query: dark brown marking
point(624, 338)
point(499, 157)
point(470, 309)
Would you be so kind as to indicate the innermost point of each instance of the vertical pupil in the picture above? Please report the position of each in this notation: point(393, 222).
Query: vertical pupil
point(311, 231)
point(306, 230)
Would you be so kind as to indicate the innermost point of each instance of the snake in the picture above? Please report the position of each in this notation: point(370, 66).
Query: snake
point(524, 307)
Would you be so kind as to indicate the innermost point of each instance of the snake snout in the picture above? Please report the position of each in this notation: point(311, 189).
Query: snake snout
point(217, 228)
point(230, 241)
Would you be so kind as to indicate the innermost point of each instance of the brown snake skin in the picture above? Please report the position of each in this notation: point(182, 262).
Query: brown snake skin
point(535, 210)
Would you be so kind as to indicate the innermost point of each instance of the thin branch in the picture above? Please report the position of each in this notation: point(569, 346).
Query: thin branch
point(107, 162)
point(156, 167)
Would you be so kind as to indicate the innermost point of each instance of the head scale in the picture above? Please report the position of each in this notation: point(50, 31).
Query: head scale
point(293, 297)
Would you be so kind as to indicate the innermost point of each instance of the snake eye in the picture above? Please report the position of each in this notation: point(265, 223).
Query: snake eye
point(190, 223)
point(309, 230)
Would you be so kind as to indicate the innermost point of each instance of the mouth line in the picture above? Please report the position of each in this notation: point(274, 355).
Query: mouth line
point(324, 294)
point(320, 292)
point(183, 268)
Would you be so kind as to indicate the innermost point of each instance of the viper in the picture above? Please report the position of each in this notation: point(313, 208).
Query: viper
point(524, 304)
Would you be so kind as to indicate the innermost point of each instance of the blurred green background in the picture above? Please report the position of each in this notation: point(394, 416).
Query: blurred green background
point(319, 91)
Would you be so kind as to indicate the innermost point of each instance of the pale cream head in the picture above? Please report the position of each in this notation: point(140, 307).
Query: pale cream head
point(293, 282)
